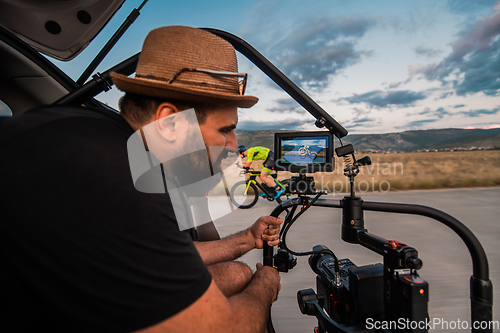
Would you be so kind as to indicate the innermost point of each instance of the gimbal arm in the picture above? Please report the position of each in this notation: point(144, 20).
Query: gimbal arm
point(481, 288)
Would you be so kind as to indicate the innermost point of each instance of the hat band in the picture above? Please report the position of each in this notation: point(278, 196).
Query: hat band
point(225, 80)
point(215, 73)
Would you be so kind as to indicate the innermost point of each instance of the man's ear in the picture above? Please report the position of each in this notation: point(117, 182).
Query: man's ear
point(165, 121)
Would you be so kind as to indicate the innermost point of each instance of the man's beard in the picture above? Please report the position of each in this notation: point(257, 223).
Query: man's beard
point(195, 169)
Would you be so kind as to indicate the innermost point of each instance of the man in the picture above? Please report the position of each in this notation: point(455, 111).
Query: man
point(86, 246)
point(266, 155)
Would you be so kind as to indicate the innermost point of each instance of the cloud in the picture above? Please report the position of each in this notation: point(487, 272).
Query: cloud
point(446, 94)
point(474, 64)
point(360, 124)
point(477, 113)
point(468, 6)
point(427, 52)
point(285, 124)
point(314, 51)
point(286, 105)
point(440, 113)
point(359, 112)
point(378, 98)
point(419, 123)
point(365, 122)
point(395, 84)
point(458, 106)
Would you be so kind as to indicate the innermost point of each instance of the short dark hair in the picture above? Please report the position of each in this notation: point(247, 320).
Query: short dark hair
point(140, 109)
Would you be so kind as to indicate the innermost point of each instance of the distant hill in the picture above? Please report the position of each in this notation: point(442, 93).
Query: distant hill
point(440, 139)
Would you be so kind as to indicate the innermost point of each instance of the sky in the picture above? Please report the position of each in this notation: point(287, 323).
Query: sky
point(375, 66)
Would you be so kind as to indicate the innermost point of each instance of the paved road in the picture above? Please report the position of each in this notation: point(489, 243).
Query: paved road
point(447, 264)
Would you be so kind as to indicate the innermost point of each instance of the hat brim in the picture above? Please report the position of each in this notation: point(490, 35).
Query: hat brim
point(161, 89)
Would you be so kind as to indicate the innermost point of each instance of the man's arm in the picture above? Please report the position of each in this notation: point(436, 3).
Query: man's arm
point(249, 156)
point(266, 228)
point(213, 312)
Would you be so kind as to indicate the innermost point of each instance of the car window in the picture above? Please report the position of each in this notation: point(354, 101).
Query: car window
point(5, 111)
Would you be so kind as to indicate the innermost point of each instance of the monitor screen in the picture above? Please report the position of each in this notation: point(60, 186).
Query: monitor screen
point(304, 151)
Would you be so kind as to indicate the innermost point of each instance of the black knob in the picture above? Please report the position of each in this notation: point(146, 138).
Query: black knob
point(364, 161)
point(414, 262)
point(306, 299)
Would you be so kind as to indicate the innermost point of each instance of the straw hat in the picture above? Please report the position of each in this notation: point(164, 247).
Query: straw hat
point(169, 56)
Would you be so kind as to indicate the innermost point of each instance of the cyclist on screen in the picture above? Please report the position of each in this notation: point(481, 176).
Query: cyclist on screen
point(266, 155)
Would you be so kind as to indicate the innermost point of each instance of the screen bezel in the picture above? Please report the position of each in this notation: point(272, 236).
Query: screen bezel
point(279, 165)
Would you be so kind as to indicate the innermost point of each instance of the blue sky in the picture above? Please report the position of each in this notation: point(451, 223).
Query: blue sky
point(375, 66)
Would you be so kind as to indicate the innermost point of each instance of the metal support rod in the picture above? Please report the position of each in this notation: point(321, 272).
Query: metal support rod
point(479, 259)
point(109, 45)
point(478, 256)
point(372, 242)
point(94, 87)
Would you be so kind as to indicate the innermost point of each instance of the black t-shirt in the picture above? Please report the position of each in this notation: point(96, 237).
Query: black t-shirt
point(81, 250)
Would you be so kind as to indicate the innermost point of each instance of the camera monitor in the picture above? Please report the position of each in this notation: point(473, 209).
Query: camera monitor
point(304, 152)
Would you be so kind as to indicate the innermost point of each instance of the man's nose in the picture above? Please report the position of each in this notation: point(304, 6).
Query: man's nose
point(232, 142)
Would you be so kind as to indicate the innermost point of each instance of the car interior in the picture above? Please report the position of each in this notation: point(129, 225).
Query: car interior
point(59, 29)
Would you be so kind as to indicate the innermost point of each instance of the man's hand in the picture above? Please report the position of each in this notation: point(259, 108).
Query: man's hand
point(271, 277)
point(266, 229)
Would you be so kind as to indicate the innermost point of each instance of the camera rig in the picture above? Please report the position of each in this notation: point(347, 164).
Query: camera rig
point(347, 295)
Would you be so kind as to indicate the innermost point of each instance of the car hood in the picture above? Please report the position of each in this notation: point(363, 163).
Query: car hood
point(58, 28)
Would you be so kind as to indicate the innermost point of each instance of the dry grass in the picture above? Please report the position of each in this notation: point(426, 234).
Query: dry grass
point(403, 171)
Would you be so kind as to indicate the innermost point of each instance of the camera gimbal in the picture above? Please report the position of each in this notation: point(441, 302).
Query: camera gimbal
point(393, 291)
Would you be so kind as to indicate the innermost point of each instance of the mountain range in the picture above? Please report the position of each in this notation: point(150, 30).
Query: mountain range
point(422, 140)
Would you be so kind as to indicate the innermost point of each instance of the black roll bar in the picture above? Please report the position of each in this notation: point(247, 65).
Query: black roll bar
point(283, 81)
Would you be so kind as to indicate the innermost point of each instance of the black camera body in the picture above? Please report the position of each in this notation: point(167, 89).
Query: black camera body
point(302, 185)
point(407, 294)
point(356, 296)
point(391, 292)
point(408, 298)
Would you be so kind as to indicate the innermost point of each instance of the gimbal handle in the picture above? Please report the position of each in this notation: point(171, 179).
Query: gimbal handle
point(268, 251)
point(268, 255)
